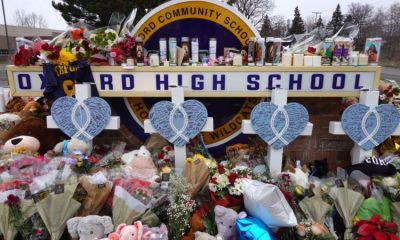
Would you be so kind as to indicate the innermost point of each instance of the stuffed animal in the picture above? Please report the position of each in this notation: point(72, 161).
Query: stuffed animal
point(66, 147)
point(127, 158)
point(130, 232)
point(22, 144)
point(90, 227)
point(204, 236)
point(7, 121)
point(32, 108)
point(196, 225)
point(37, 128)
point(157, 233)
point(226, 222)
point(142, 167)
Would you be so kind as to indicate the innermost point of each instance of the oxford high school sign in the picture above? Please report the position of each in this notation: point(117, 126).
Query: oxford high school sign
point(135, 91)
point(213, 81)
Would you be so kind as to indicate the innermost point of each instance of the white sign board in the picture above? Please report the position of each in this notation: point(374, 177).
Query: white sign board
point(215, 81)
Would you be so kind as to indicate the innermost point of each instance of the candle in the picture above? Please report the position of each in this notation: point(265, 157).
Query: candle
point(166, 63)
point(287, 59)
point(298, 59)
point(317, 61)
point(353, 60)
point(129, 62)
point(363, 59)
point(237, 60)
point(308, 61)
point(154, 60)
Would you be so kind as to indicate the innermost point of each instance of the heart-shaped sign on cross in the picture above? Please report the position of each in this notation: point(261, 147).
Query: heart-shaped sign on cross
point(82, 120)
point(278, 126)
point(369, 126)
point(178, 123)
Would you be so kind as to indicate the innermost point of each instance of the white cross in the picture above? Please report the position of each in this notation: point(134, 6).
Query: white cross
point(274, 157)
point(371, 99)
point(82, 92)
point(178, 97)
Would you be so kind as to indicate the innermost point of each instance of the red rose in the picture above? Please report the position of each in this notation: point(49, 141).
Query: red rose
point(232, 177)
point(161, 156)
point(213, 180)
point(221, 169)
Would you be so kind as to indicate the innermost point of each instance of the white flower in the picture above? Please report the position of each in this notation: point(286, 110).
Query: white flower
point(92, 36)
point(222, 181)
point(390, 181)
point(213, 187)
point(171, 154)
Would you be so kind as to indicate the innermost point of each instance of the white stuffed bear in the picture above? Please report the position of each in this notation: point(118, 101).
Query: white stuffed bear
point(140, 165)
point(90, 227)
point(68, 146)
point(23, 143)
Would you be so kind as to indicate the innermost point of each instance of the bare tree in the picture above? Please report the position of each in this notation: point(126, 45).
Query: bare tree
point(279, 26)
point(309, 23)
point(360, 13)
point(255, 10)
point(32, 20)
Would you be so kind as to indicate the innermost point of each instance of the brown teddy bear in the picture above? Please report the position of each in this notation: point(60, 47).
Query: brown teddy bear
point(35, 127)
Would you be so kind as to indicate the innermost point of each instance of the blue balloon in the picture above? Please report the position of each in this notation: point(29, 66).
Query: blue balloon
point(253, 229)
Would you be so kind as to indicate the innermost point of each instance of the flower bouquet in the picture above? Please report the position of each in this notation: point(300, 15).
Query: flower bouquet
point(225, 185)
point(181, 207)
point(375, 229)
point(164, 157)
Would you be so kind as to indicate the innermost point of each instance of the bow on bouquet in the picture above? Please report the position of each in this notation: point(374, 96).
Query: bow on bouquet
point(375, 229)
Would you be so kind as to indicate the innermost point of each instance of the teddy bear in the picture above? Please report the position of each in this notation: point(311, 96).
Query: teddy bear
point(66, 147)
point(157, 233)
point(7, 121)
point(130, 232)
point(225, 219)
point(22, 144)
point(139, 164)
point(37, 128)
point(89, 227)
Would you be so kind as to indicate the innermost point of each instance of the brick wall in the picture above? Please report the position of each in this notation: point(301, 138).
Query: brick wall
point(308, 148)
point(321, 144)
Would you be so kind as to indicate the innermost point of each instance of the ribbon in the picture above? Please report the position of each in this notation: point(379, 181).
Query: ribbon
point(81, 130)
point(278, 135)
point(370, 136)
point(179, 132)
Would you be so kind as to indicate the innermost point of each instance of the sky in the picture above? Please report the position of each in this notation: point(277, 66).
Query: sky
point(282, 7)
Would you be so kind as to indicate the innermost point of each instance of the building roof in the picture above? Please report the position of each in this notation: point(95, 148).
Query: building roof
point(18, 31)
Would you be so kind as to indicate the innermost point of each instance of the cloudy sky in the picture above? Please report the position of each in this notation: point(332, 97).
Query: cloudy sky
point(282, 7)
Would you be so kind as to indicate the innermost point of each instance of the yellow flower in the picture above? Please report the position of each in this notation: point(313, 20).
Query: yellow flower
point(166, 169)
point(65, 58)
point(198, 156)
point(189, 160)
point(356, 220)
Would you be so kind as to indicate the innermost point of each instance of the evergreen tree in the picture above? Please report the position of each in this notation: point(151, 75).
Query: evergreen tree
point(337, 19)
point(319, 23)
point(266, 28)
point(297, 23)
point(97, 13)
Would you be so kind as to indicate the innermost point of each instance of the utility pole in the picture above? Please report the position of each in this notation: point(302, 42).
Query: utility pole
point(316, 16)
point(5, 26)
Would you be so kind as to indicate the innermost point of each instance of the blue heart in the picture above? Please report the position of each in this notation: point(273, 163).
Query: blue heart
point(288, 122)
point(83, 121)
point(379, 123)
point(170, 122)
